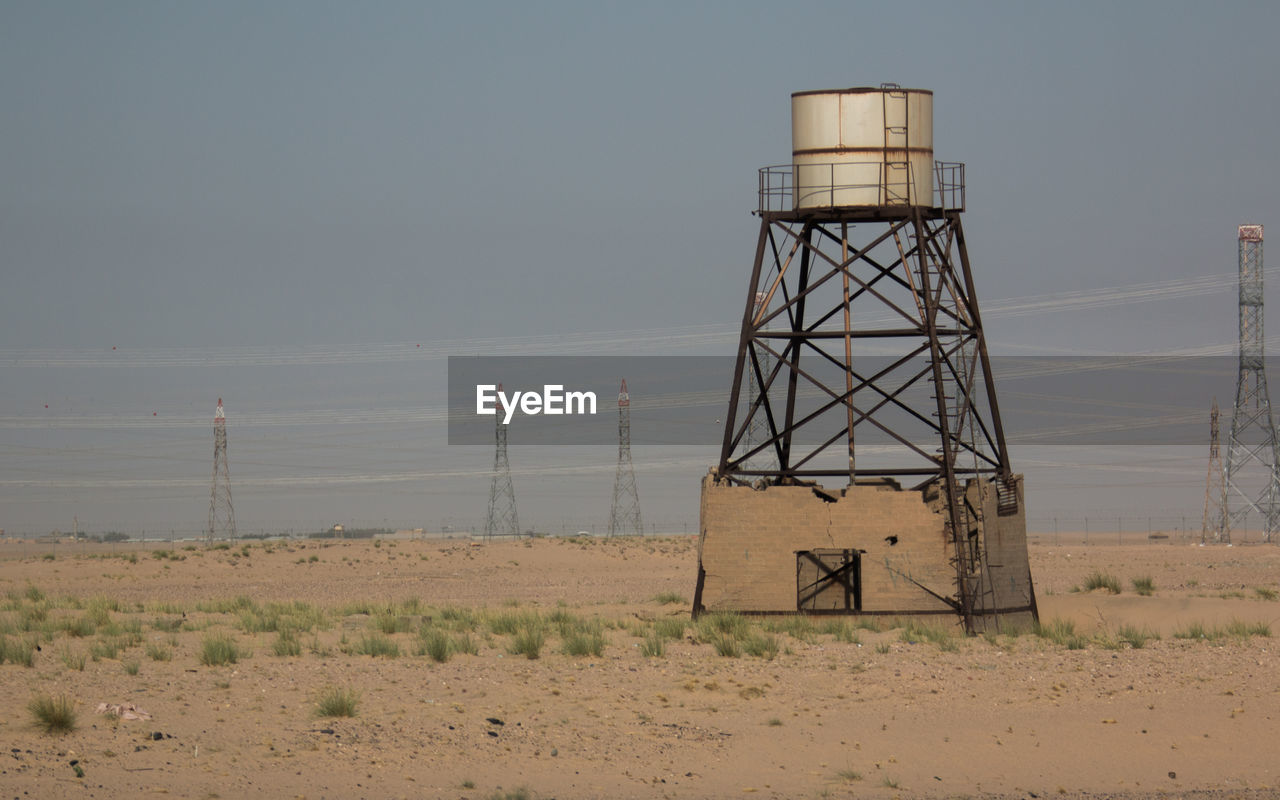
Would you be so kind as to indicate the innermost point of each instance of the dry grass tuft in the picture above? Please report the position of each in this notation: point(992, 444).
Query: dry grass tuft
point(334, 701)
point(53, 714)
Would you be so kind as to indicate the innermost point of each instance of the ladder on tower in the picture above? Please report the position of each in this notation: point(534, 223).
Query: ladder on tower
point(895, 171)
point(975, 591)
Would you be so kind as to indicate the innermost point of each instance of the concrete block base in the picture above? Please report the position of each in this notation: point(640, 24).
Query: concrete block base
point(868, 549)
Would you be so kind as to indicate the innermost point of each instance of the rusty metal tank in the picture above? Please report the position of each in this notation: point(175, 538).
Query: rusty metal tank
point(862, 147)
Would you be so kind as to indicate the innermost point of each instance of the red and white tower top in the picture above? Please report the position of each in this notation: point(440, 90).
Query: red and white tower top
point(219, 414)
point(624, 399)
point(1250, 233)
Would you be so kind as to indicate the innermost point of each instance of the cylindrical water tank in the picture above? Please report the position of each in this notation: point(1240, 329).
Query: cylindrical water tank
point(862, 147)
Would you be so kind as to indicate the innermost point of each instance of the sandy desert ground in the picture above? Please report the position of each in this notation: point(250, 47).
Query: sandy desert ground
point(1171, 694)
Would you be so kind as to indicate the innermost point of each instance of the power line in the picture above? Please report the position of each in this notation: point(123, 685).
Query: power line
point(569, 343)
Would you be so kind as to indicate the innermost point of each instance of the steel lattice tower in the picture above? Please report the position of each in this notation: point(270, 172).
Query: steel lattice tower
point(1214, 486)
point(862, 255)
point(625, 514)
point(222, 514)
point(502, 520)
point(1253, 453)
point(758, 429)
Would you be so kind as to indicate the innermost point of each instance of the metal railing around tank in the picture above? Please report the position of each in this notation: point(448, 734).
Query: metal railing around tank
point(778, 190)
point(948, 185)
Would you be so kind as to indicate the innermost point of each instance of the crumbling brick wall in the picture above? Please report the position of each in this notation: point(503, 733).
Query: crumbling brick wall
point(750, 537)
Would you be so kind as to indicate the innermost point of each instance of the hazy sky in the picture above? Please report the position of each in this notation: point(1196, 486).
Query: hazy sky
point(303, 207)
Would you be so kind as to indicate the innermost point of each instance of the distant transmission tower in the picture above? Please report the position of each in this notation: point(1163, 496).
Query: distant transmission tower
point(222, 514)
point(1214, 487)
point(1253, 453)
point(502, 519)
point(625, 515)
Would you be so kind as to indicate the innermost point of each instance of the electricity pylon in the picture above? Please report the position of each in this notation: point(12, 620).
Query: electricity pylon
point(222, 514)
point(1253, 453)
point(624, 517)
point(502, 520)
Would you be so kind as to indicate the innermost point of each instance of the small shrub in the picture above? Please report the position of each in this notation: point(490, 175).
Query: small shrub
point(761, 645)
point(463, 643)
point(868, 623)
point(377, 645)
point(667, 598)
point(391, 623)
point(1265, 593)
point(158, 652)
point(653, 646)
point(167, 625)
point(32, 618)
point(527, 642)
point(510, 623)
point(670, 628)
point(435, 643)
point(1197, 630)
point(131, 667)
point(796, 626)
point(1143, 585)
point(1061, 632)
point(459, 619)
point(80, 627)
point(336, 702)
point(1136, 637)
point(225, 605)
point(584, 643)
point(1101, 580)
point(255, 620)
point(729, 623)
point(883, 648)
point(1243, 630)
point(564, 622)
point(286, 644)
point(915, 631)
point(107, 647)
point(75, 661)
point(726, 645)
point(840, 629)
point(218, 650)
point(100, 609)
point(53, 714)
point(583, 639)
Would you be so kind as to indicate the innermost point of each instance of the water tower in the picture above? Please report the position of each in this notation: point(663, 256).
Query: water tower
point(881, 483)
